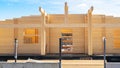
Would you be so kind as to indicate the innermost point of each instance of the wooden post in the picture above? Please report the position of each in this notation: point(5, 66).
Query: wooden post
point(43, 32)
point(86, 33)
point(89, 16)
point(66, 12)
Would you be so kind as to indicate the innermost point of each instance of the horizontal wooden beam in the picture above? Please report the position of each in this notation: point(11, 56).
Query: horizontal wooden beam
point(38, 25)
point(20, 25)
point(65, 25)
point(115, 25)
point(58, 25)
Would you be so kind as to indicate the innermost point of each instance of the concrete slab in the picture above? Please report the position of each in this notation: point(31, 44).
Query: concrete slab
point(69, 63)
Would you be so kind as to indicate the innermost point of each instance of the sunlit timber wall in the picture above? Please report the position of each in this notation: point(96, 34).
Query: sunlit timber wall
point(9, 33)
point(111, 33)
point(53, 33)
point(78, 33)
point(6, 38)
point(28, 48)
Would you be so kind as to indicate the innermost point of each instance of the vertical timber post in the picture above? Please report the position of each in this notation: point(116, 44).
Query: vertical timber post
point(89, 16)
point(60, 52)
point(104, 41)
point(43, 31)
point(66, 12)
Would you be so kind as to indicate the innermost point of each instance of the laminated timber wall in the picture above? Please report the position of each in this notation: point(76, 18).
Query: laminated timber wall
point(111, 33)
point(6, 38)
point(97, 34)
point(8, 34)
point(78, 33)
point(28, 48)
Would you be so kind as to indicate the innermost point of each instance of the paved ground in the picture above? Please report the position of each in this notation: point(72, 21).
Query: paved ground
point(69, 63)
point(63, 61)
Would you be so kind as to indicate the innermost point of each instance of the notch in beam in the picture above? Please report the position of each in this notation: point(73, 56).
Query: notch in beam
point(66, 8)
point(91, 9)
point(66, 12)
point(42, 11)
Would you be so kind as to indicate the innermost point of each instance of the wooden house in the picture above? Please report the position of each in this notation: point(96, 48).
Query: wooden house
point(81, 33)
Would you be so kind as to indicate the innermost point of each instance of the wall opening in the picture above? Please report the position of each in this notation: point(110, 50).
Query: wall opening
point(67, 41)
point(30, 36)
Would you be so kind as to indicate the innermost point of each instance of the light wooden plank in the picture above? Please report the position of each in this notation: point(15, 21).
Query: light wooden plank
point(19, 25)
point(65, 25)
point(116, 25)
point(66, 12)
point(90, 48)
point(43, 31)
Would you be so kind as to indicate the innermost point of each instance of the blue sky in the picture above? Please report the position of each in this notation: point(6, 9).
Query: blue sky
point(16, 8)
